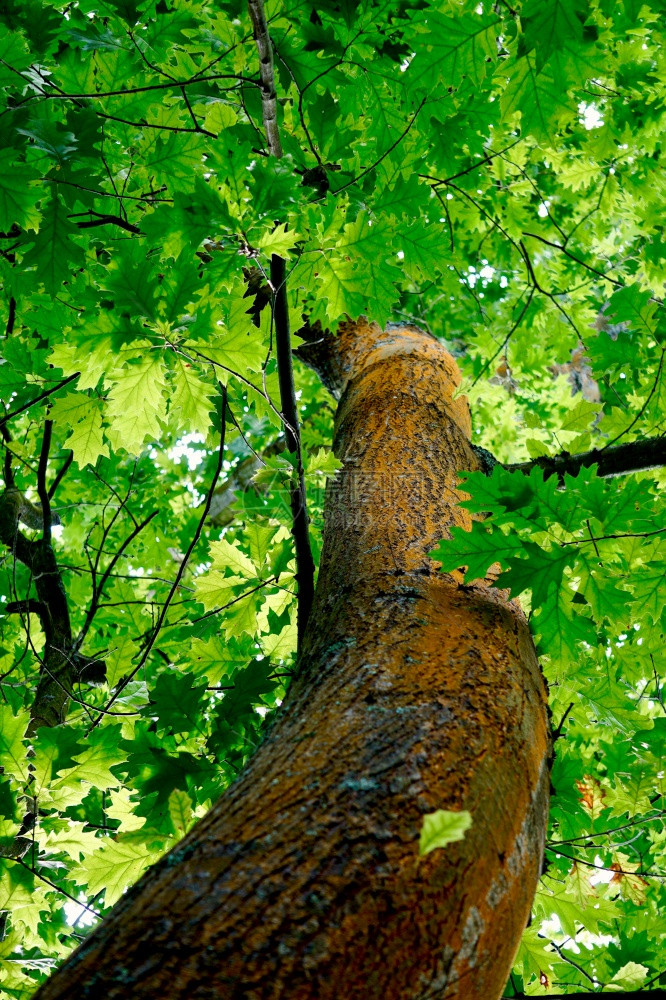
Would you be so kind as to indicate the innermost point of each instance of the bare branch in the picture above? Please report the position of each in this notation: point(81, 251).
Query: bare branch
point(268, 95)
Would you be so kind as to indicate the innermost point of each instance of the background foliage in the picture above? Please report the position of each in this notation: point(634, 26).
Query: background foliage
point(492, 174)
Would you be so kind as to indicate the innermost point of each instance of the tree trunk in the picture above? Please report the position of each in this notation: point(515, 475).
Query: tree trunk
point(415, 693)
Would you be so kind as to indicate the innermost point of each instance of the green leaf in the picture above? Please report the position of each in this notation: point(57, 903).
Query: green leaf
point(176, 703)
point(631, 976)
point(241, 350)
point(452, 48)
point(443, 827)
point(551, 24)
point(114, 867)
point(192, 396)
point(102, 753)
point(17, 199)
point(13, 751)
point(279, 241)
point(535, 955)
point(541, 570)
point(136, 403)
point(53, 252)
point(477, 550)
point(226, 555)
point(181, 812)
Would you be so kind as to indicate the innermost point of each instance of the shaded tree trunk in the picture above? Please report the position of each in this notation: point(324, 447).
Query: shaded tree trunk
point(414, 693)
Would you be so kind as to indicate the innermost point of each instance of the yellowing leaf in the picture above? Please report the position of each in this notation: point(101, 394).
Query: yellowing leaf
point(631, 886)
point(630, 977)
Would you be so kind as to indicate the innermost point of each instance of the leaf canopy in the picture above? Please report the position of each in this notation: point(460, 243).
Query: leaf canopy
point(490, 172)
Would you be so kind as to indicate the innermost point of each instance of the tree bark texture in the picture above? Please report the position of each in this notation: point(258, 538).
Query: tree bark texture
point(414, 693)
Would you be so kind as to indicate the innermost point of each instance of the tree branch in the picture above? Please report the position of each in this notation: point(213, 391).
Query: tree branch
point(61, 473)
point(181, 569)
point(563, 249)
point(304, 559)
point(280, 305)
point(94, 604)
point(38, 399)
point(268, 95)
point(42, 491)
point(107, 220)
point(617, 461)
point(11, 317)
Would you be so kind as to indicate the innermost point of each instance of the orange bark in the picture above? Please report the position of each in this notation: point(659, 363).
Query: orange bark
point(415, 693)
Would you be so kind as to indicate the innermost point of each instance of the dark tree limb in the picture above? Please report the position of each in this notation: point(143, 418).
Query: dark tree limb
point(11, 317)
point(57, 672)
point(110, 220)
point(25, 607)
point(616, 461)
point(42, 491)
point(304, 559)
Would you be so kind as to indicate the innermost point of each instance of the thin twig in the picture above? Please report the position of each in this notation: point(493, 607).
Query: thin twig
point(181, 569)
point(563, 249)
point(92, 610)
point(386, 152)
point(58, 888)
point(61, 473)
point(604, 538)
point(643, 407)
point(38, 399)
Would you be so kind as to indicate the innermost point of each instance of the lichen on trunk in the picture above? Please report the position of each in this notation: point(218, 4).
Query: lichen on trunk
point(414, 693)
